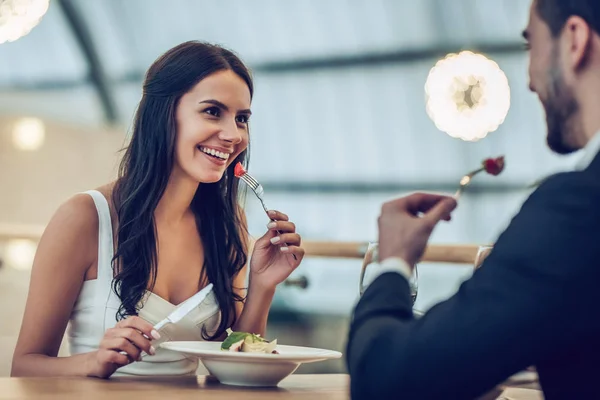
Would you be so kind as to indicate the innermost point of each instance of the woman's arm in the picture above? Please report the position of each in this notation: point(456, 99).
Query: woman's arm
point(254, 312)
point(66, 251)
point(274, 257)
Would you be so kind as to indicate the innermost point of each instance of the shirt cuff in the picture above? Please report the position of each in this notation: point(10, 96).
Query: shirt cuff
point(392, 264)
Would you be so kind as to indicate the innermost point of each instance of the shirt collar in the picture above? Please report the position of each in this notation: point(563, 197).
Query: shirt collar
point(589, 152)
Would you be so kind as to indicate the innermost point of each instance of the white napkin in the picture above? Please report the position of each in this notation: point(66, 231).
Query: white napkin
point(521, 394)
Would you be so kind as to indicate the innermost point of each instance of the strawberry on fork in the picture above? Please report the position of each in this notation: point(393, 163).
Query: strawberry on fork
point(493, 166)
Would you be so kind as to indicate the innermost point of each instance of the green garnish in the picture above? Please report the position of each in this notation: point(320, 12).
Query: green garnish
point(251, 341)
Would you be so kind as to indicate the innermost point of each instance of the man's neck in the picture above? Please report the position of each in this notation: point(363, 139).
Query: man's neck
point(589, 110)
point(590, 126)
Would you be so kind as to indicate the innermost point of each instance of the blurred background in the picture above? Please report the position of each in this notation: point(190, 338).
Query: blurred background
point(342, 122)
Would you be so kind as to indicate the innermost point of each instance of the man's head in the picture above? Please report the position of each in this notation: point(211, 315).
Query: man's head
point(563, 37)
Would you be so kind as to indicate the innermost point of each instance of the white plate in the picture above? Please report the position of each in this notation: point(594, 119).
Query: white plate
point(250, 369)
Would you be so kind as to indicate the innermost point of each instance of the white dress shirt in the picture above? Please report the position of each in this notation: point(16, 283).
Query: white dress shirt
point(392, 264)
point(589, 152)
point(395, 264)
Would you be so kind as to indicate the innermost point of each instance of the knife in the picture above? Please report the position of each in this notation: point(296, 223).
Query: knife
point(166, 325)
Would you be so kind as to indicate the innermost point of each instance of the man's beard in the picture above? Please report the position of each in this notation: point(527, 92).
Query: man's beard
point(561, 108)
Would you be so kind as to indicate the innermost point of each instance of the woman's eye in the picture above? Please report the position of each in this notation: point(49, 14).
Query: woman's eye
point(242, 119)
point(214, 111)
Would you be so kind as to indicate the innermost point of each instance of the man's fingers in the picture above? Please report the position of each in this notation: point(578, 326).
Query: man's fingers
point(441, 210)
point(415, 203)
point(424, 202)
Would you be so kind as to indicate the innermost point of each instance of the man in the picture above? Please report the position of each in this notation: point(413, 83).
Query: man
point(536, 299)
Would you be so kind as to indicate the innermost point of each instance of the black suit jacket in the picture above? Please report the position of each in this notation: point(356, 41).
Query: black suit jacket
point(534, 301)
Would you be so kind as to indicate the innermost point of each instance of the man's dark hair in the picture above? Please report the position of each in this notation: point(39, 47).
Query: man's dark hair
point(556, 12)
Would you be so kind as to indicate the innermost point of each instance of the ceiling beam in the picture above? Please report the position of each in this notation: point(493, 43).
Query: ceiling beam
point(389, 187)
point(381, 58)
point(274, 67)
point(97, 76)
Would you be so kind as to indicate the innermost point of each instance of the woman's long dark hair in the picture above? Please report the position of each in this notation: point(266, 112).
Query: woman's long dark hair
point(143, 176)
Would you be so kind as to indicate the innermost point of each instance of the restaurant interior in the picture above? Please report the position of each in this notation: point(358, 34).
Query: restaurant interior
point(347, 113)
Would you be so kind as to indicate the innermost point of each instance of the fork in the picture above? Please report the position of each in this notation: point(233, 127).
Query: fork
point(465, 181)
point(259, 192)
point(493, 166)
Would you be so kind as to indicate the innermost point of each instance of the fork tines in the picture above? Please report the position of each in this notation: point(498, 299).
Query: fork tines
point(254, 185)
point(250, 180)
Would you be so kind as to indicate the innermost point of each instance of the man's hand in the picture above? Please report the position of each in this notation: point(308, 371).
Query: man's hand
point(405, 224)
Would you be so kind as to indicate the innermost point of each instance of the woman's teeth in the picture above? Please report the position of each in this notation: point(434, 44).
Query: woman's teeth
point(214, 153)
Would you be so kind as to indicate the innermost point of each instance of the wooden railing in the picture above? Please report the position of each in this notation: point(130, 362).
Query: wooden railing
point(464, 254)
point(442, 253)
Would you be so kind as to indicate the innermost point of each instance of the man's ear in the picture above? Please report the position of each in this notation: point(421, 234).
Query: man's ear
point(576, 41)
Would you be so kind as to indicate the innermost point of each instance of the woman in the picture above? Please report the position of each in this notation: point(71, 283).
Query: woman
point(178, 229)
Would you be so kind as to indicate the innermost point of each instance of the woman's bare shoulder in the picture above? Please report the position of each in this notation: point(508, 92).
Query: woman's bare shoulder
point(71, 236)
point(76, 213)
point(77, 219)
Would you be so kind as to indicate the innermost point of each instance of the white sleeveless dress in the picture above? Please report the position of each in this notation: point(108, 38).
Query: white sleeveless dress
point(96, 307)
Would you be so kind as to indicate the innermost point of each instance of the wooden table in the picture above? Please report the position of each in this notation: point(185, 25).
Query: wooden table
point(297, 386)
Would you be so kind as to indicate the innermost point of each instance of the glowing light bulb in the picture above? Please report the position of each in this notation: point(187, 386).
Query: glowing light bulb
point(19, 17)
point(467, 95)
point(28, 134)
